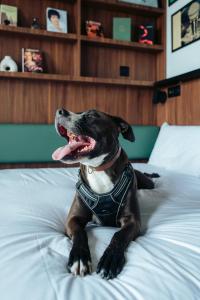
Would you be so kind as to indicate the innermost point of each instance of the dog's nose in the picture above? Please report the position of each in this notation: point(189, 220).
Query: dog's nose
point(63, 112)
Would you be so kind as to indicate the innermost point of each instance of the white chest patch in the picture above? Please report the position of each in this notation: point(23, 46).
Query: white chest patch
point(100, 182)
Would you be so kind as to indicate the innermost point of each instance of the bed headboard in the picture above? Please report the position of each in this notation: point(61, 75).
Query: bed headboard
point(28, 143)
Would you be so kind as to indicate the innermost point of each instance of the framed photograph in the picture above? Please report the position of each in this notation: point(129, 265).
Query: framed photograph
point(152, 3)
point(186, 25)
point(170, 2)
point(56, 20)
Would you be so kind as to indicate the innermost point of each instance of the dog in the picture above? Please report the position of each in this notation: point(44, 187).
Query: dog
point(106, 191)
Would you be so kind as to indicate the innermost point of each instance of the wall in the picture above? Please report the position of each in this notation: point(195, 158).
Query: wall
point(185, 109)
point(185, 59)
point(36, 102)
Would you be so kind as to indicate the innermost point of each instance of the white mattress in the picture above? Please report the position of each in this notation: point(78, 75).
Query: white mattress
point(162, 264)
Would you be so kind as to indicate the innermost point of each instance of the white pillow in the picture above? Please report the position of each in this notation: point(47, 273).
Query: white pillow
point(177, 148)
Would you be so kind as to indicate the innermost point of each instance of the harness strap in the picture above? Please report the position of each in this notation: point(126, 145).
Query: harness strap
point(107, 205)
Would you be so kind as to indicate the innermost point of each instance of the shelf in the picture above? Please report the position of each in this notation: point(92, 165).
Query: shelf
point(119, 82)
point(38, 32)
point(125, 7)
point(77, 79)
point(100, 41)
point(74, 37)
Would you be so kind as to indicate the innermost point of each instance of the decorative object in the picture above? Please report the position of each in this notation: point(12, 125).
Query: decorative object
point(124, 71)
point(94, 29)
point(159, 96)
point(146, 34)
point(122, 29)
point(170, 2)
point(56, 20)
point(8, 15)
point(8, 64)
point(32, 61)
point(186, 25)
point(153, 3)
point(35, 24)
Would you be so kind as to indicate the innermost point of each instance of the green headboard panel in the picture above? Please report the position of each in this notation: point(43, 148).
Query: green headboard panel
point(145, 137)
point(27, 142)
point(36, 142)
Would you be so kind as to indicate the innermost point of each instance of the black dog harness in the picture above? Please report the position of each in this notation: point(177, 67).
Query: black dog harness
point(106, 206)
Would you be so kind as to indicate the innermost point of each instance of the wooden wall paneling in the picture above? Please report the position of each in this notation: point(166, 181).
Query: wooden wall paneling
point(77, 49)
point(37, 102)
point(24, 103)
point(182, 110)
point(131, 104)
point(105, 62)
point(161, 36)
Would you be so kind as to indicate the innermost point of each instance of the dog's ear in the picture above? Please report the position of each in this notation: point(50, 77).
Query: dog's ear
point(124, 128)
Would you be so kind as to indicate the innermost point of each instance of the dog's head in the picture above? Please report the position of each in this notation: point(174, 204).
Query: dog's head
point(92, 136)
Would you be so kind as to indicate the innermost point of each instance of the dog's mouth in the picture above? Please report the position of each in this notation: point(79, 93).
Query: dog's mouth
point(77, 147)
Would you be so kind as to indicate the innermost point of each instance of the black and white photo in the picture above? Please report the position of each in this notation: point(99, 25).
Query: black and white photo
point(186, 25)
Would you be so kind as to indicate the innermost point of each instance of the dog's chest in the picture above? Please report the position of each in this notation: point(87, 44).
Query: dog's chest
point(100, 182)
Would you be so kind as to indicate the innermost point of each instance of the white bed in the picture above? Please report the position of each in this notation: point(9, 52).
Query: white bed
point(164, 263)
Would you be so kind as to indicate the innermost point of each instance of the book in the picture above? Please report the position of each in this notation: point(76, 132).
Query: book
point(8, 15)
point(32, 60)
point(122, 29)
point(94, 29)
point(146, 34)
point(56, 20)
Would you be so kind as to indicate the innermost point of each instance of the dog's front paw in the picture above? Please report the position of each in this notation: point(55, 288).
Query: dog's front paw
point(111, 263)
point(79, 262)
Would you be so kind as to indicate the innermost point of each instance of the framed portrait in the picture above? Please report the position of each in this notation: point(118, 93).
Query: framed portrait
point(170, 2)
point(56, 20)
point(152, 3)
point(186, 25)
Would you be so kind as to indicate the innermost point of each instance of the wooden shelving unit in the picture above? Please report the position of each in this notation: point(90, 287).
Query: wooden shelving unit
point(38, 33)
point(107, 42)
point(125, 7)
point(79, 67)
point(76, 79)
point(121, 44)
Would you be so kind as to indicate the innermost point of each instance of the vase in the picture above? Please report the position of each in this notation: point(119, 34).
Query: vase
point(8, 64)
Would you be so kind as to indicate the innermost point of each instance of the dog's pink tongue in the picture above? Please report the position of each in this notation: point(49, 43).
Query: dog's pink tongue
point(65, 150)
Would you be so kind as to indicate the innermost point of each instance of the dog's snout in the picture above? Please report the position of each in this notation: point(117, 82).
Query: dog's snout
point(63, 112)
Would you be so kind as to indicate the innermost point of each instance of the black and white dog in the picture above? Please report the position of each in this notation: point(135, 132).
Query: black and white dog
point(106, 190)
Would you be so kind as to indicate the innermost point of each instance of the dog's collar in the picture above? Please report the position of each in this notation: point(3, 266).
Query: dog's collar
point(106, 165)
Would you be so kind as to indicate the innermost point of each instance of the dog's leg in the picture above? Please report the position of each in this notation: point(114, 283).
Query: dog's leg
point(79, 262)
point(113, 259)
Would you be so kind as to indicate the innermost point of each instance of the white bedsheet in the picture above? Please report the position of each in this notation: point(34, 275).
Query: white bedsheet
point(162, 264)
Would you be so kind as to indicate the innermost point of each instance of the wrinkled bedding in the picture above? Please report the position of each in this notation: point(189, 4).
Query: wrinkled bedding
point(163, 263)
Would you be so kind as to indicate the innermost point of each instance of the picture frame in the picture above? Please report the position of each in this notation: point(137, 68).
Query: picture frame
point(185, 25)
point(151, 3)
point(56, 20)
point(170, 2)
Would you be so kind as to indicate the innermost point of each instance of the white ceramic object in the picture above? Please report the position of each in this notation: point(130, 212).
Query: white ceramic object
point(8, 64)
